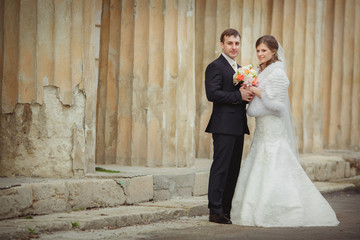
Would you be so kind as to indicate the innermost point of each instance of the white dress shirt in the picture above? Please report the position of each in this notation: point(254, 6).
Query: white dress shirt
point(231, 61)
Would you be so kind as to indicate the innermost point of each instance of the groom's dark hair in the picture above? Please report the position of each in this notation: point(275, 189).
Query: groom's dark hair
point(229, 32)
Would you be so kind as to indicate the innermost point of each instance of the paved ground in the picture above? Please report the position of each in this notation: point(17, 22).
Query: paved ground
point(345, 204)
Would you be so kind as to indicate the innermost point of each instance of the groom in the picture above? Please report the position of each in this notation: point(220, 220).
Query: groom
point(228, 124)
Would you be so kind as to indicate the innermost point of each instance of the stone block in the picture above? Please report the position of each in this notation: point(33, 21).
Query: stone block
point(49, 197)
point(173, 181)
point(353, 158)
point(184, 192)
point(160, 195)
point(15, 201)
point(309, 170)
point(199, 210)
point(201, 183)
point(174, 186)
point(92, 193)
point(137, 189)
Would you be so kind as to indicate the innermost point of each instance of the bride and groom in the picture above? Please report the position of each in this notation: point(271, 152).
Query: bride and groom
point(271, 189)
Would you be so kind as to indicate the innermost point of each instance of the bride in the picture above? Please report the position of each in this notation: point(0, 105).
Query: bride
point(272, 189)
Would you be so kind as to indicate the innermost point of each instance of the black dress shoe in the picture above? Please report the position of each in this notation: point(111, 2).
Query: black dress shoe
point(219, 218)
point(227, 215)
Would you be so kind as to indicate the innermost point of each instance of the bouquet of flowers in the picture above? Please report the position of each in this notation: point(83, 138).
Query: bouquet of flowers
point(246, 75)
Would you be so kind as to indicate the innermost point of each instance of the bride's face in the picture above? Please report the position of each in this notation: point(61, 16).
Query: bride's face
point(264, 53)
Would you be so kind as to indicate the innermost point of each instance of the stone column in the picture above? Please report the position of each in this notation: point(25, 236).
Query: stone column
point(355, 100)
point(209, 41)
point(309, 80)
point(277, 19)
point(318, 93)
point(297, 96)
point(336, 75)
point(288, 39)
point(347, 74)
point(90, 80)
point(10, 85)
point(156, 83)
point(124, 108)
point(326, 57)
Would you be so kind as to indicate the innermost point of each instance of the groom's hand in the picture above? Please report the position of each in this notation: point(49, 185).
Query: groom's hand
point(246, 94)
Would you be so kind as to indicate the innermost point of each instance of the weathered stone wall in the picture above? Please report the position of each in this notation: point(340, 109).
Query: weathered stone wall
point(46, 140)
point(48, 87)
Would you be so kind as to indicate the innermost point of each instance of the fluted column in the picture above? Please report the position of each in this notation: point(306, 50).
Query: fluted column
point(124, 108)
point(45, 45)
point(336, 75)
point(146, 101)
point(326, 57)
point(297, 96)
point(355, 100)
point(10, 84)
point(277, 19)
point(318, 92)
point(347, 73)
point(208, 41)
point(309, 71)
point(288, 38)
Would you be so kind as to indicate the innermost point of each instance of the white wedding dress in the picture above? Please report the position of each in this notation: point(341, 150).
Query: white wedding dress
point(273, 190)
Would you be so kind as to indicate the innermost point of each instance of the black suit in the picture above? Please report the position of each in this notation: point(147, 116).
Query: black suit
point(228, 124)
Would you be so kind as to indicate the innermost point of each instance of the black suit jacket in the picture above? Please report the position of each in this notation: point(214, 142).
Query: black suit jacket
point(229, 111)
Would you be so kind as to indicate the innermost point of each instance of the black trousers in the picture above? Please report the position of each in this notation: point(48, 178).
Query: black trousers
point(224, 171)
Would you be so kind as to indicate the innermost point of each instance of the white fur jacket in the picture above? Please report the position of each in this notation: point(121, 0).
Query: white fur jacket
point(274, 85)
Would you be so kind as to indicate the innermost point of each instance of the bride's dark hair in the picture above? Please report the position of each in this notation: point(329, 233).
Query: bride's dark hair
point(272, 44)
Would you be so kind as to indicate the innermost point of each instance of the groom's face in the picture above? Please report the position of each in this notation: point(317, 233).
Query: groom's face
point(231, 46)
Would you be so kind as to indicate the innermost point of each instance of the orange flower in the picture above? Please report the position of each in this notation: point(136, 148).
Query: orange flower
point(255, 82)
point(240, 77)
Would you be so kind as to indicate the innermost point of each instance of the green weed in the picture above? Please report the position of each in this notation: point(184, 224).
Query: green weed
point(99, 169)
point(75, 225)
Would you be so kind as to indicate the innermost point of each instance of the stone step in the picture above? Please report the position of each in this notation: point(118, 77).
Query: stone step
point(133, 185)
point(121, 216)
point(31, 196)
point(103, 218)
point(326, 167)
point(351, 157)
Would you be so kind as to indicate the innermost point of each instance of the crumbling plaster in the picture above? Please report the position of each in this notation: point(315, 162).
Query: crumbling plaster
point(45, 140)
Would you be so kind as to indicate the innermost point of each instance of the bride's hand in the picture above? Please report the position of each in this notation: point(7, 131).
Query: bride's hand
point(255, 90)
point(246, 94)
